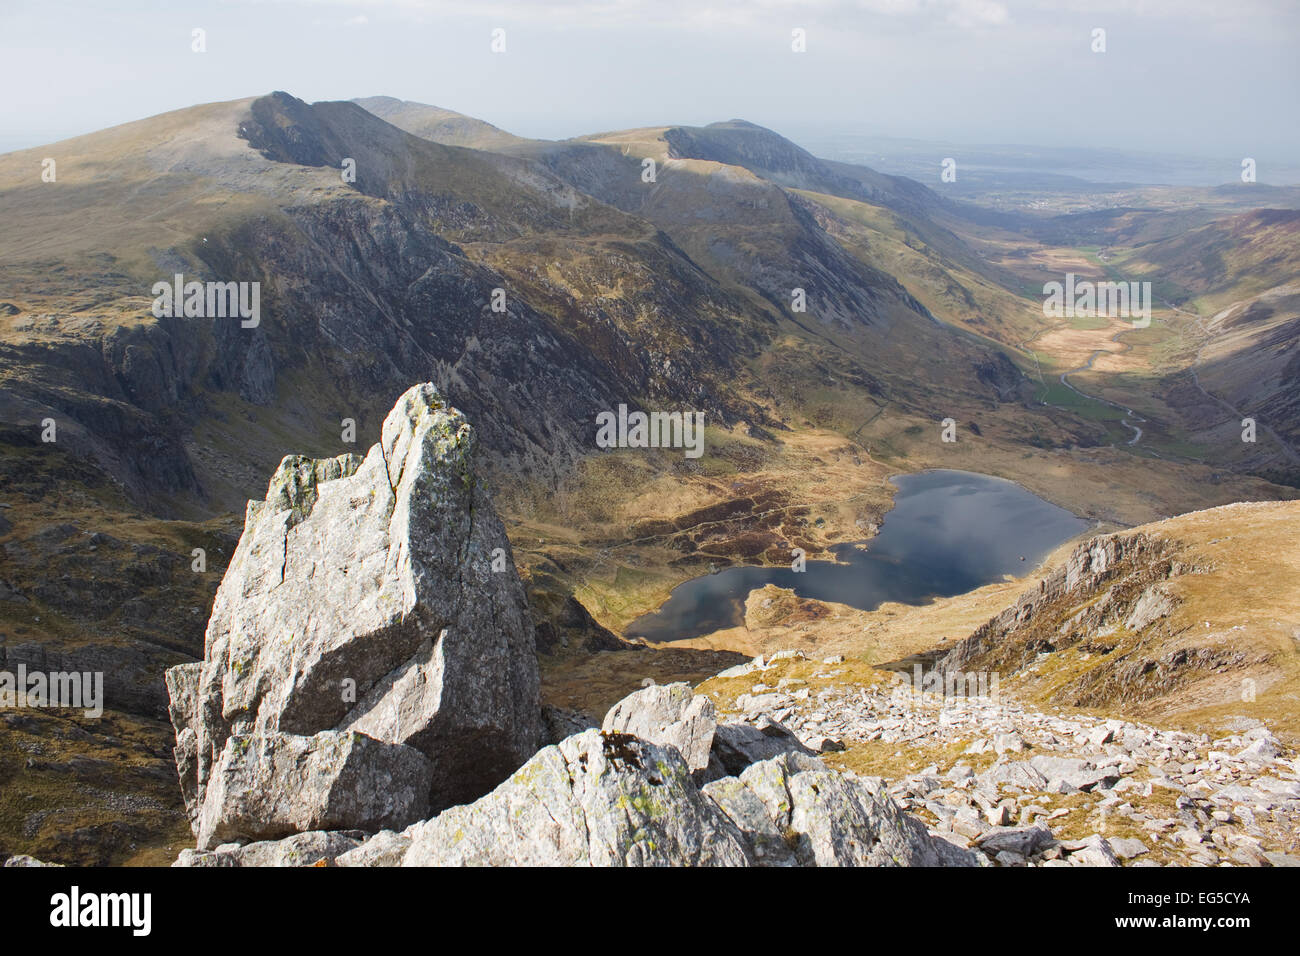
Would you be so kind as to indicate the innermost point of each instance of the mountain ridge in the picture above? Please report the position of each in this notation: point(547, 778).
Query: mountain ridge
point(677, 294)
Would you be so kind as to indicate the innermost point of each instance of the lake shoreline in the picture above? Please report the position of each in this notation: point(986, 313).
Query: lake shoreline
point(946, 533)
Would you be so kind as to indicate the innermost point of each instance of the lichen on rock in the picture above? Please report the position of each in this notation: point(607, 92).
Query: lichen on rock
point(362, 598)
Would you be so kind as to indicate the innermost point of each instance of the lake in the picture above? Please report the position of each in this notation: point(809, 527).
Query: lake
point(949, 532)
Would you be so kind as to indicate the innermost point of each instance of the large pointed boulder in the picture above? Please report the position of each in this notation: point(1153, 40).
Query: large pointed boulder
point(376, 595)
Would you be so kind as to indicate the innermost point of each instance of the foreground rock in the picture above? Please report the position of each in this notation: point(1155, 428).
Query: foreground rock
point(796, 812)
point(596, 799)
point(375, 596)
point(271, 785)
point(668, 714)
point(608, 798)
point(611, 799)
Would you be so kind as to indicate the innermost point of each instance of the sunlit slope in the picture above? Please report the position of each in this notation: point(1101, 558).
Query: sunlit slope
point(1212, 266)
point(1251, 359)
point(437, 124)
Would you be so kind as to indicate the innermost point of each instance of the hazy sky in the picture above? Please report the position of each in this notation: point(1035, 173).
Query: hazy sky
point(1189, 76)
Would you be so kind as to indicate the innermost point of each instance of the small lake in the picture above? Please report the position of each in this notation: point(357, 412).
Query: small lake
point(949, 532)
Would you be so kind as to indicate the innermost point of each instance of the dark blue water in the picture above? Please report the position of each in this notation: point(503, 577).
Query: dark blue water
point(949, 532)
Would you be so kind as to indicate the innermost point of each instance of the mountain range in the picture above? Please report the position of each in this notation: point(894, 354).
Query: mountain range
point(825, 318)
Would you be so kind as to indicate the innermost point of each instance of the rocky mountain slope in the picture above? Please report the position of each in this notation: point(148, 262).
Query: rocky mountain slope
point(663, 782)
point(382, 570)
point(1024, 786)
point(536, 284)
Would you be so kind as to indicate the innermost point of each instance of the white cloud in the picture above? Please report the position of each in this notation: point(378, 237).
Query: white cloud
point(978, 13)
point(838, 14)
point(969, 13)
point(332, 22)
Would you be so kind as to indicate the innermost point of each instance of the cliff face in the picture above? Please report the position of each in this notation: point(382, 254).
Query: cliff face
point(1107, 583)
point(1179, 617)
point(364, 289)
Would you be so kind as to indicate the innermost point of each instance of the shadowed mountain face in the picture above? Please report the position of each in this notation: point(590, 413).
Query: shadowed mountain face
point(614, 290)
point(1253, 362)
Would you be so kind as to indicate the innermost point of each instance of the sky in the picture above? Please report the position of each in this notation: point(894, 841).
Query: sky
point(1194, 77)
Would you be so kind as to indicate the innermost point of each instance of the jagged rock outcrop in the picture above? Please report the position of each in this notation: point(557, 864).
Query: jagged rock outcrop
point(611, 799)
point(796, 812)
point(608, 798)
point(1109, 582)
point(270, 785)
point(671, 715)
point(596, 799)
point(376, 596)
